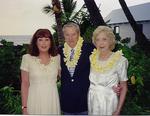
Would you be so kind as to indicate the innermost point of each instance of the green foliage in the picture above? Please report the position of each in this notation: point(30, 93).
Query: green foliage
point(88, 34)
point(10, 101)
point(69, 7)
point(138, 71)
point(59, 85)
point(10, 57)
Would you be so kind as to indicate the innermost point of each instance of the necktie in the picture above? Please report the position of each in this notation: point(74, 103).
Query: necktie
point(71, 54)
point(71, 69)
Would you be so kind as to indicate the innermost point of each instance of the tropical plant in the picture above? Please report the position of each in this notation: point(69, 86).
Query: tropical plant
point(10, 58)
point(68, 7)
point(138, 74)
point(10, 100)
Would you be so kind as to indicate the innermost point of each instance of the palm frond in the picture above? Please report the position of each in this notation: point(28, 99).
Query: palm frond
point(68, 7)
point(80, 14)
point(47, 9)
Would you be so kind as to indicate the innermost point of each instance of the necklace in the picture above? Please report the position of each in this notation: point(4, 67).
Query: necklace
point(77, 53)
point(109, 63)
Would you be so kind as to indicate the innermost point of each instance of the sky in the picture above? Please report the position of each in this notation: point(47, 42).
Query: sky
point(24, 17)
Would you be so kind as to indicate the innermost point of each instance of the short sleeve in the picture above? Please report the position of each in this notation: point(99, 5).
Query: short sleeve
point(25, 63)
point(122, 69)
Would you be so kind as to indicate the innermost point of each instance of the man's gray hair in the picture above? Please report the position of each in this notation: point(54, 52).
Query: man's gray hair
point(71, 24)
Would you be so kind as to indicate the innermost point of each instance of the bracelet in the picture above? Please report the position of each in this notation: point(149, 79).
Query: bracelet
point(23, 107)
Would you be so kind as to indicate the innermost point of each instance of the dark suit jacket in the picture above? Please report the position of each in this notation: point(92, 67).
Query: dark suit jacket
point(73, 97)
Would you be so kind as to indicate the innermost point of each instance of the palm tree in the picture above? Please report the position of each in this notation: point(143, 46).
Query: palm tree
point(95, 15)
point(140, 37)
point(56, 9)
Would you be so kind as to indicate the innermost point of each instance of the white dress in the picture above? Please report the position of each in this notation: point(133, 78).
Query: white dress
point(43, 95)
point(102, 100)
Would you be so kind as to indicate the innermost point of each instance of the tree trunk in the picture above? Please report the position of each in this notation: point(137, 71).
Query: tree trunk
point(141, 39)
point(59, 29)
point(95, 15)
point(57, 11)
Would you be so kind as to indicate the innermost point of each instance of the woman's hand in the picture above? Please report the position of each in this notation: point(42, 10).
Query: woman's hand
point(116, 113)
point(24, 111)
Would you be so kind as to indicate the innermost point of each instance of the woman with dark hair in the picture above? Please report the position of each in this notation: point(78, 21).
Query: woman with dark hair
point(39, 71)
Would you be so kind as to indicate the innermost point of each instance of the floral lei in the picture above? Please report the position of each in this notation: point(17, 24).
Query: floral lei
point(77, 53)
point(109, 64)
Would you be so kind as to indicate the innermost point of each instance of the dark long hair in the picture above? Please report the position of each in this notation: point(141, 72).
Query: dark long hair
point(33, 49)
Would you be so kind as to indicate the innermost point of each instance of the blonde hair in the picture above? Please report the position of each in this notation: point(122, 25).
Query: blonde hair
point(109, 33)
point(71, 24)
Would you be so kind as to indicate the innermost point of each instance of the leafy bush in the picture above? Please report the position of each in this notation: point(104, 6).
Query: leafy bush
point(139, 78)
point(10, 58)
point(10, 101)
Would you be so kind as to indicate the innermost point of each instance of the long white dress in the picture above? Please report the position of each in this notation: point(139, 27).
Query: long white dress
point(102, 100)
point(43, 95)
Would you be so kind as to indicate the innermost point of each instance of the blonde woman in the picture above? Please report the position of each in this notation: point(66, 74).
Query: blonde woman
point(108, 69)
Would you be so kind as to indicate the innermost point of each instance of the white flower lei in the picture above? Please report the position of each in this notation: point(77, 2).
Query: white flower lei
point(77, 53)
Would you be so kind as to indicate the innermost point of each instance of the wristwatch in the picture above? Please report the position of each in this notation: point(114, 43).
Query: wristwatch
point(23, 107)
